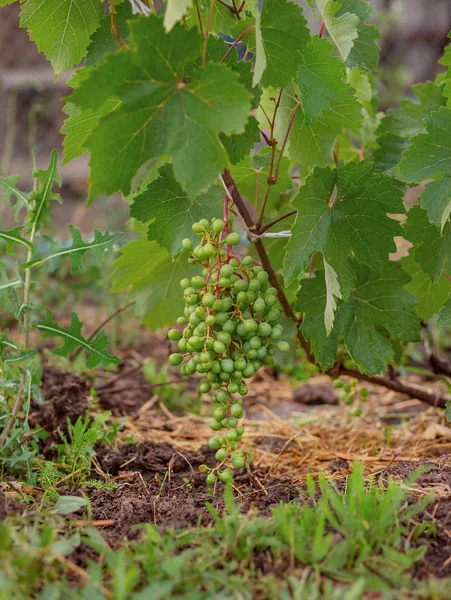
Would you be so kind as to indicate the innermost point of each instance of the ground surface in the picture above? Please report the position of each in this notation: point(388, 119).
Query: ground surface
point(290, 432)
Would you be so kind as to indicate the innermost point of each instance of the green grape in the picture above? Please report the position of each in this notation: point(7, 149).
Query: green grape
point(228, 366)
point(214, 442)
point(226, 476)
point(208, 299)
point(233, 239)
point(175, 359)
point(210, 479)
point(221, 454)
point(223, 396)
point(174, 335)
point(210, 320)
point(218, 225)
point(283, 346)
point(215, 425)
point(237, 461)
point(264, 329)
point(197, 228)
point(219, 413)
point(204, 387)
point(236, 410)
point(181, 321)
point(185, 283)
point(219, 347)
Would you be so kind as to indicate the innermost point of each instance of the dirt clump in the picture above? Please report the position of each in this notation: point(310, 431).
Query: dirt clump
point(65, 397)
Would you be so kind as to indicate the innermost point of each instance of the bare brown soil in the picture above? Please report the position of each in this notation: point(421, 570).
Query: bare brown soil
point(160, 483)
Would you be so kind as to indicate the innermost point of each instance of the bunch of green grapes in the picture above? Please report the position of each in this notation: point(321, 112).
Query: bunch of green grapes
point(231, 330)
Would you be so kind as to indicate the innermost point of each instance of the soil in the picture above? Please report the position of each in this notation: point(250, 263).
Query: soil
point(66, 398)
point(158, 484)
point(165, 487)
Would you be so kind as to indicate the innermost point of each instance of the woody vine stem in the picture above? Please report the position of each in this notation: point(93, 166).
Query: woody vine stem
point(254, 230)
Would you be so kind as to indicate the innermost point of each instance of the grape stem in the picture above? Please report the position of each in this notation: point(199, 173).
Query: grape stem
point(337, 370)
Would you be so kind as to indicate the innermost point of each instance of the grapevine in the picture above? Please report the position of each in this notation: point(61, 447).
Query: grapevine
point(231, 330)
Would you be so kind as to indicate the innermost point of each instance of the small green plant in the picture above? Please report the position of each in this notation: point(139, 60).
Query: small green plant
point(171, 395)
point(19, 362)
point(77, 448)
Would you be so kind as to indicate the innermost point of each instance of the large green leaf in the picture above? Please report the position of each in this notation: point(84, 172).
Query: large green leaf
point(320, 79)
point(96, 349)
point(103, 40)
point(429, 154)
point(377, 313)
point(160, 113)
point(61, 28)
point(436, 200)
point(445, 317)
point(342, 28)
point(153, 277)
point(364, 53)
point(175, 10)
point(75, 252)
point(342, 212)
point(282, 34)
point(170, 212)
point(430, 295)
point(446, 61)
point(400, 124)
point(313, 144)
point(432, 246)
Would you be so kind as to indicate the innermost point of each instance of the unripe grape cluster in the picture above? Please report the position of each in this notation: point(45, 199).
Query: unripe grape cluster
point(231, 330)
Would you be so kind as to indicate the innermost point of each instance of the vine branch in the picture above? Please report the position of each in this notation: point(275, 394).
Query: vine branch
point(337, 369)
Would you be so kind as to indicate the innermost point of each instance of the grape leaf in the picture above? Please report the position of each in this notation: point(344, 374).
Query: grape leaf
point(320, 79)
point(377, 313)
point(8, 183)
point(159, 113)
point(103, 40)
point(436, 200)
point(238, 146)
point(430, 295)
point(221, 19)
point(281, 36)
point(445, 317)
point(75, 251)
point(446, 61)
point(44, 195)
point(6, 2)
point(153, 277)
point(400, 124)
point(175, 10)
point(170, 211)
point(245, 175)
point(7, 286)
point(333, 290)
point(355, 221)
point(364, 53)
point(61, 28)
point(13, 237)
point(313, 144)
point(431, 246)
point(96, 349)
point(342, 28)
point(429, 154)
point(79, 125)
